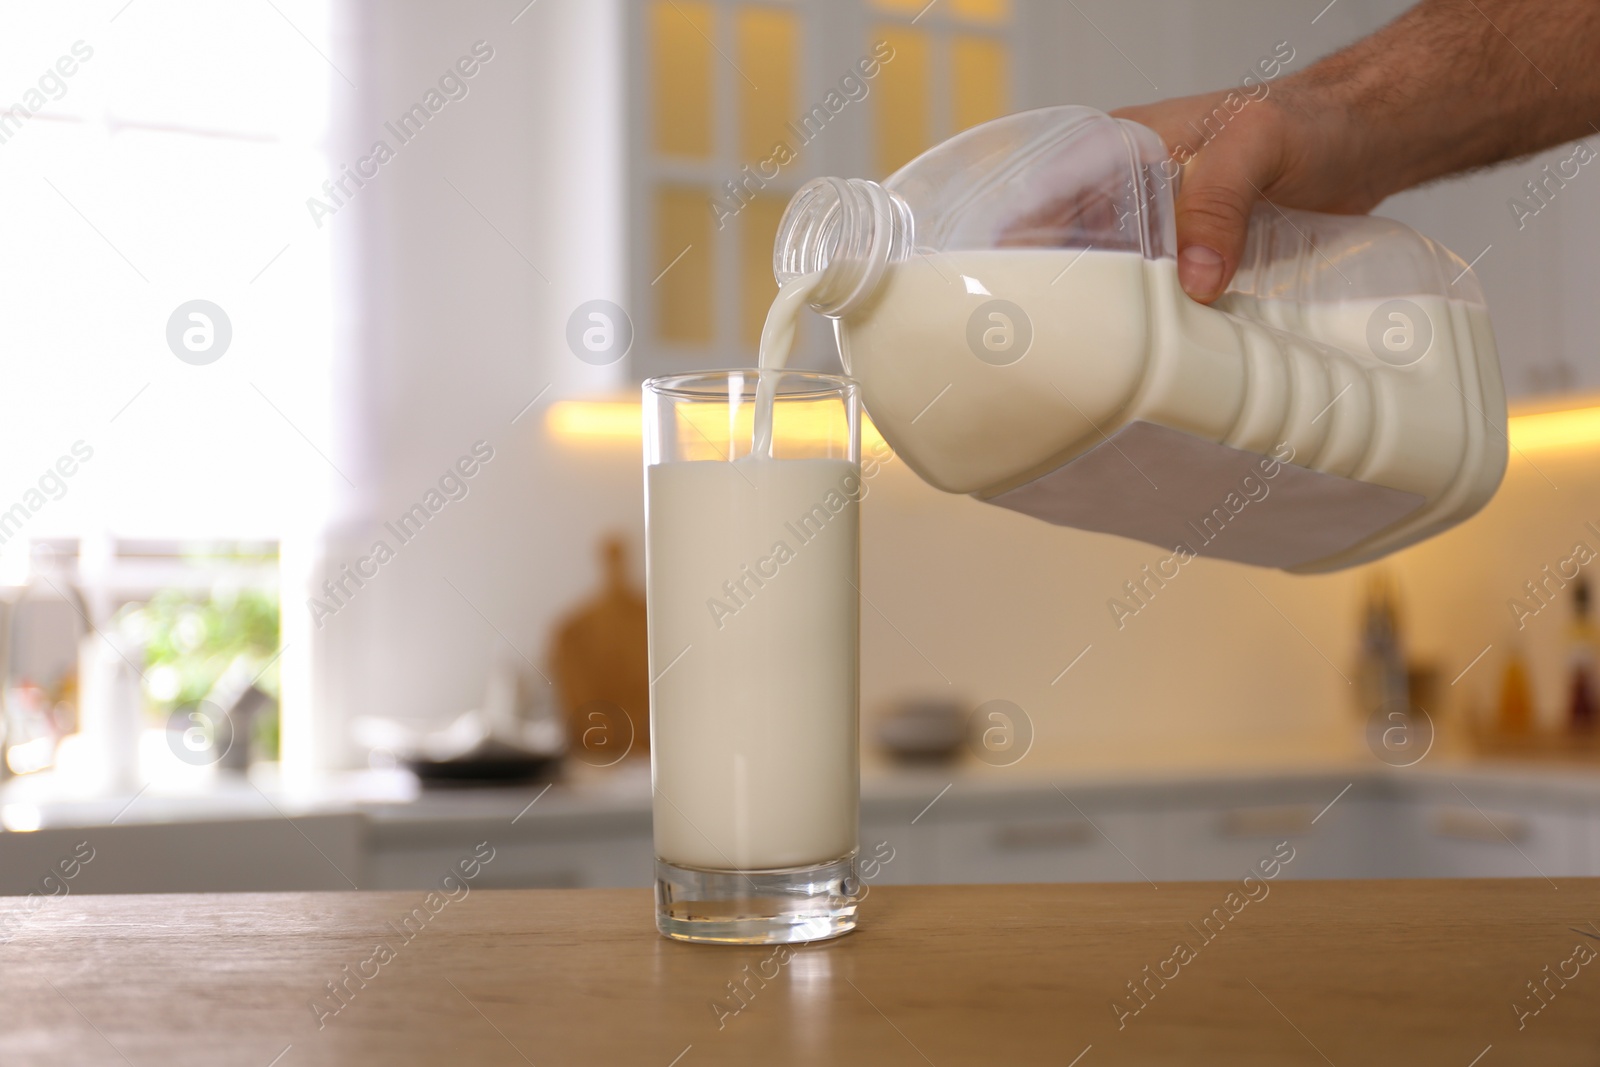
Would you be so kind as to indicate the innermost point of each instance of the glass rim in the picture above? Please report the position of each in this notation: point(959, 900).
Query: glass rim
point(712, 385)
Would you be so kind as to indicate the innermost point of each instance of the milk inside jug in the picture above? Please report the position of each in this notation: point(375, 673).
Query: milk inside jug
point(1009, 302)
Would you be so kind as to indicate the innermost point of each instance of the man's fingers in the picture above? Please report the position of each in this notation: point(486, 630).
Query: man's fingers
point(1213, 213)
point(1224, 173)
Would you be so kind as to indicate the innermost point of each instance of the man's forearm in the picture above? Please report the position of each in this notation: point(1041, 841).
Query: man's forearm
point(1452, 85)
point(1449, 86)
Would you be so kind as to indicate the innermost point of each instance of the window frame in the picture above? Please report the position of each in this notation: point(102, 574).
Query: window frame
point(833, 35)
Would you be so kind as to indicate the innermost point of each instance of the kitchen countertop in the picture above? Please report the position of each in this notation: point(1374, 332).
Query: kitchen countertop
point(1395, 972)
point(621, 797)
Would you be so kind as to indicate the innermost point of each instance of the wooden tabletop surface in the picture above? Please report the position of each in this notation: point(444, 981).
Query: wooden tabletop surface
point(1347, 973)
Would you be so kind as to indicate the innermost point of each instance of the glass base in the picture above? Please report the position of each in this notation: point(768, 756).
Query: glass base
point(757, 907)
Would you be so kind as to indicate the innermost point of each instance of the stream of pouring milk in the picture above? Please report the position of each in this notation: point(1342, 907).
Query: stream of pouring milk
point(777, 341)
point(753, 644)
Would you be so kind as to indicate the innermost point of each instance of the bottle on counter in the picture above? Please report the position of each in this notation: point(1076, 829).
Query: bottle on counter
point(1582, 643)
point(1382, 675)
point(1515, 713)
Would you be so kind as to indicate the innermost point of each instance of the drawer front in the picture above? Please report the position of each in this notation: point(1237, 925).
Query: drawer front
point(1087, 847)
point(618, 862)
point(1589, 840)
point(896, 852)
point(1460, 840)
point(1346, 840)
point(1225, 844)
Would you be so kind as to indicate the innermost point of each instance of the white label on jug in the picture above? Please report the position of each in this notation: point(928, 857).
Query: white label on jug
point(1170, 489)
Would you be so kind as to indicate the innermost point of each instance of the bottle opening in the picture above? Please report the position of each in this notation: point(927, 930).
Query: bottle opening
point(847, 231)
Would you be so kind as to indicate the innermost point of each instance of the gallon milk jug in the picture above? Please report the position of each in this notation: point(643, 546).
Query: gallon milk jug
point(1009, 302)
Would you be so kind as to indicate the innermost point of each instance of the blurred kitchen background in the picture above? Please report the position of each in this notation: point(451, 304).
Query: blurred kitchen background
point(214, 678)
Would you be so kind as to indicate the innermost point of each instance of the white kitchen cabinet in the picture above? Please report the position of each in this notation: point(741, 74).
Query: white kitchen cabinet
point(1456, 840)
point(894, 851)
point(1537, 272)
point(1589, 837)
point(1503, 821)
point(560, 846)
point(614, 862)
point(1358, 824)
point(1222, 830)
point(1062, 846)
point(312, 852)
point(1227, 843)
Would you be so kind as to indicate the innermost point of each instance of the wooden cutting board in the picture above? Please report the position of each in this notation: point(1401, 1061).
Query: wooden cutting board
point(600, 656)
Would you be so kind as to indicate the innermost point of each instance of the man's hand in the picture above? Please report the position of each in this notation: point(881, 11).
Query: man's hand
point(1448, 86)
point(1232, 158)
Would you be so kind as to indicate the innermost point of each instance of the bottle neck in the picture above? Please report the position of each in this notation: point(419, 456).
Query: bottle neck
point(847, 232)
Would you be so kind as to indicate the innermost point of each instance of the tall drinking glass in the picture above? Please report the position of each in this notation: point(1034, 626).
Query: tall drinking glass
point(751, 577)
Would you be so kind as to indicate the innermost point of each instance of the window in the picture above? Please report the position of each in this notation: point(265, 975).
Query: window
point(737, 103)
point(169, 323)
point(172, 164)
point(950, 72)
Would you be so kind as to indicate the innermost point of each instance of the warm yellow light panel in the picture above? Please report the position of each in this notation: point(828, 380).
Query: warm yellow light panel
point(758, 229)
point(595, 420)
point(683, 266)
point(979, 75)
point(903, 96)
point(592, 420)
point(599, 421)
point(1574, 428)
point(680, 34)
point(993, 11)
point(767, 43)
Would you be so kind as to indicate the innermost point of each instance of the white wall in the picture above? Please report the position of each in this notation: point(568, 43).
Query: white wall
point(1460, 585)
point(1000, 604)
point(462, 323)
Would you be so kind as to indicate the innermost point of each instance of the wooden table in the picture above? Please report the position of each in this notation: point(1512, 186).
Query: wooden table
point(1348, 973)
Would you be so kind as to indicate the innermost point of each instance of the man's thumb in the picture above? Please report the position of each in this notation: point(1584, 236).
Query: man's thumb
point(1214, 205)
